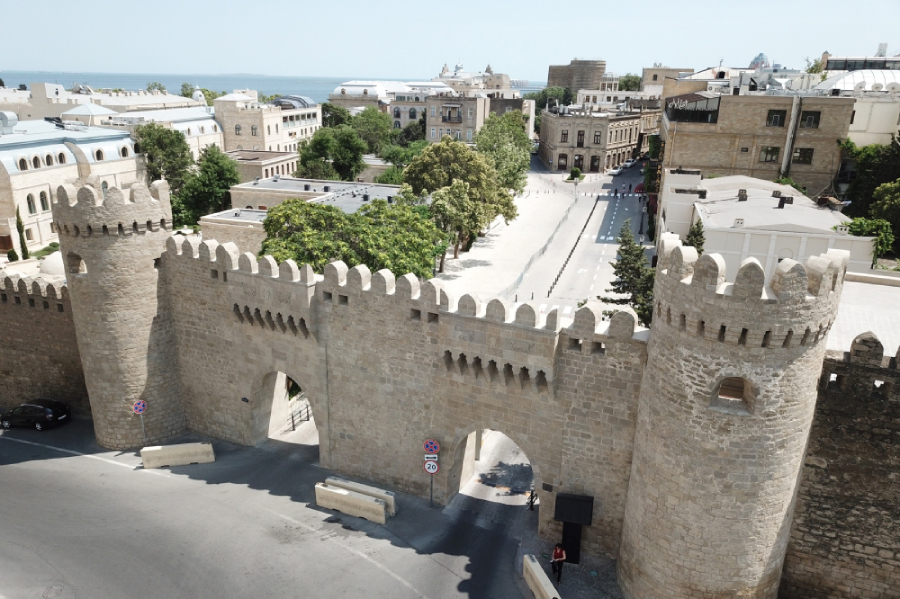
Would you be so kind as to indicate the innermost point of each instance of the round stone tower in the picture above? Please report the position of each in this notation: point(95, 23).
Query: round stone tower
point(726, 406)
point(112, 241)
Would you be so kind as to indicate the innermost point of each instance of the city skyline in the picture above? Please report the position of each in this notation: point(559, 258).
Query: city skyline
point(189, 39)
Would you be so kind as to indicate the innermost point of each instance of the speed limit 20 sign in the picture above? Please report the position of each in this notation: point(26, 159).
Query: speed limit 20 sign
point(431, 467)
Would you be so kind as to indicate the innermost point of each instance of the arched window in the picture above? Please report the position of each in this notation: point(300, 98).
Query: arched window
point(104, 187)
point(396, 113)
point(30, 201)
point(48, 159)
point(215, 128)
point(45, 205)
point(254, 130)
point(36, 162)
point(189, 131)
point(202, 130)
point(267, 173)
point(412, 112)
point(343, 90)
point(23, 164)
point(562, 162)
point(124, 152)
point(365, 92)
point(396, 124)
point(98, 155)
point(61, 159)
point(237, 129)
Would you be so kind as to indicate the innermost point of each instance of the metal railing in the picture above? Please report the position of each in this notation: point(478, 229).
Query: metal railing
point(300, 413)
point(451, 119)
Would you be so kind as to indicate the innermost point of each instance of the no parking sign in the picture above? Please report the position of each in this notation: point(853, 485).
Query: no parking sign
point(139, 407)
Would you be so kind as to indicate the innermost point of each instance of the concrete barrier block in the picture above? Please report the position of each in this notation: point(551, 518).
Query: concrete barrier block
point(386, 496)
point(351, 503)
point(180, 454)
point(537, 580)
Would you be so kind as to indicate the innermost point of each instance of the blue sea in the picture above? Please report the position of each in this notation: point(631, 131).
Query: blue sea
point(316, 88)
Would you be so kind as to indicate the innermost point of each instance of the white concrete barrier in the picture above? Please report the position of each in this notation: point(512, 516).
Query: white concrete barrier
point(386, 496)
point(351, 503)
point(180, 454)
point(537, 580)
point(874, 277)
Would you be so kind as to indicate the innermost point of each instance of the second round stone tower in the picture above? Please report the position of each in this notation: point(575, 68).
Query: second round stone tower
point(726, 406)
point(111, 241)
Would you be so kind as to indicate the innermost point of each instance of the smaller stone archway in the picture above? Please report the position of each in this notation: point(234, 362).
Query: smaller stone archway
point(280, 409)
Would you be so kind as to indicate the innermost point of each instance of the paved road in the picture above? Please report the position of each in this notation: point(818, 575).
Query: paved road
point(85, 522)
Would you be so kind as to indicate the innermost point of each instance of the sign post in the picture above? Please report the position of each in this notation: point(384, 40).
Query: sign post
point(432, 448)
point(139, 407)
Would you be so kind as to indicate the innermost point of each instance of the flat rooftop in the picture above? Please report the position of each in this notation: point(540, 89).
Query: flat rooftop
point(257, 155)
point(760, 211)
point(866, 307)
point(27, 132)
point(346, 195)
point(168, 115)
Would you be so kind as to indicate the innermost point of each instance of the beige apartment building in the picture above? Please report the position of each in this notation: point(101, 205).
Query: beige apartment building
point(461, 117)
point(591, 141)
point(275, 127)
point(763, 136)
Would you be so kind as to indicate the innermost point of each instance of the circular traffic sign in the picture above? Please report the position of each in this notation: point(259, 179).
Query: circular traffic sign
point(432, 446)
point(139, 407)
point(431, 467)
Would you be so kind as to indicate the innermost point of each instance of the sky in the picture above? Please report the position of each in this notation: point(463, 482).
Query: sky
point(406, 40)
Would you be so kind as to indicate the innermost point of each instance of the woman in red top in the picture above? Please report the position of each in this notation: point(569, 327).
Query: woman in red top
point(557, 561)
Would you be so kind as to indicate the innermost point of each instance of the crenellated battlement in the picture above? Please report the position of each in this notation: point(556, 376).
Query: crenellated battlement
point(34, 291)
point(796, 307)
point(82, 208)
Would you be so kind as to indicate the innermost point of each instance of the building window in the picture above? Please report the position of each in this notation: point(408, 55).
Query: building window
point(432, 111)
point(48, 160)
point(30, 201)
point(802, 156)
point(433, 132)
point(769, 154)
point(23, 164)
point(237, 129)
point(852, 116)
point(45, 205)
point(734, 395)
point(564, 136)
point(655, 77)
point(215, 128)
point(580, 139)
point(776, 118)
point(470, 113)
point(254, 130)
point(440, 134)
point(36, 162)
point(810, 119)
point(396, 112)
point(396, 124)
point(468, 135)
point(61, 159)
point(562, 162)
point(188, 131)
point(412, 114)
point(29, 236)
point(276, 127)
point(597, 135)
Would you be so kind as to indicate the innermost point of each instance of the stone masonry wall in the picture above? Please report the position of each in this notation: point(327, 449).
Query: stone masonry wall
point(39, 354)
point(845, 541)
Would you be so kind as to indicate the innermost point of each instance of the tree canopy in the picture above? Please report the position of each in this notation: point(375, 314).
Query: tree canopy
point(634, 277)
point(206, 190)
point(187, 90)
point(413, 131)
point(695, 237)
point(876, 164)
point(332, 153)
point(398, 236)
point(401, 156)
point(887, 206)
point(333, 115)
point(504, 140)
point(629, 83)
point(167, 154)
point(156, 86)
point(543, 97)
point(374, 127)
point(20, 227)
point(878, 228)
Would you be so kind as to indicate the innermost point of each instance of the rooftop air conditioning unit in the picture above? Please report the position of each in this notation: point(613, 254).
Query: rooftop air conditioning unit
point(776, 193)
point(843, 229)
point(738, 223)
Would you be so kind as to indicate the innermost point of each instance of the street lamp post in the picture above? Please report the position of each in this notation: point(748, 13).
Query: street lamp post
point(576, 186)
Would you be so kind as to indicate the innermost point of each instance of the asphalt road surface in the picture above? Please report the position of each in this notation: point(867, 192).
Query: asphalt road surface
point(79, 521)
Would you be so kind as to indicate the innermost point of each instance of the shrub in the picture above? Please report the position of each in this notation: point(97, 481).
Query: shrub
point(575, 173)
point(12, 256)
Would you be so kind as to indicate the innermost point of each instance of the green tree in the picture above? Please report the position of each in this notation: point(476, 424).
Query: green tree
point(20, 227)
point(457, 214)
point(634, 277)
point(790, 182)
point(12, 256)
point(167, 154)
point(206, 190)
point(187, 90)
point(887, 206)
point(374, 127)
point(2, 84)
point(401, 156)
point(814, 66)
point(210, 95)
point(440, 164)
point(878, 228)
point(875, 165)
point(695, 236)
point(156, 86)
point(575, 173)
point(391, 176)
point(332, 153)
point(629, 83)
point(333, 115)
point(379, 235)
point(414, 131)
point(504, 140)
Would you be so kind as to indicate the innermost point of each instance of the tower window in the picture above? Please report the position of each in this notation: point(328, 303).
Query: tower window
point(733, 395)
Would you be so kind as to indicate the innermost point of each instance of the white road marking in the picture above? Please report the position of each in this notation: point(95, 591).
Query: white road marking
point(84, 455)
point(592, 288)
point(357, 553)
point(595, 276)
point(541, 308)
point(567, 309)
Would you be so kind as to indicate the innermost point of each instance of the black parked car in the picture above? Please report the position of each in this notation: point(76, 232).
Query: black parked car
point(40, 414)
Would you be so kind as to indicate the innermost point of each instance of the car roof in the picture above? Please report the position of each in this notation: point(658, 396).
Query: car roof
point(45, 403)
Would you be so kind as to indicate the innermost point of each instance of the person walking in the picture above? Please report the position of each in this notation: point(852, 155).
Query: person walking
point(616, 191)
point(629, 188)
point(557, 561)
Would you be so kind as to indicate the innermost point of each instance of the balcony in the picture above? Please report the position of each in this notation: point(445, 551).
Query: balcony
point(451, 119)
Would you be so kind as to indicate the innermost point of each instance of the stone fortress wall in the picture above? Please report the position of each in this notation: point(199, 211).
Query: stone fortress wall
point(200, 331)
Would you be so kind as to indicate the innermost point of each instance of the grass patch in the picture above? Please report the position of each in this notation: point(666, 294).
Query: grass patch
point(53, 247)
